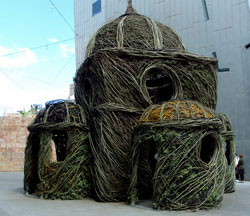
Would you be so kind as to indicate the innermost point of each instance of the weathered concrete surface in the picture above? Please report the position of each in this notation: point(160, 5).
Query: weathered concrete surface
point(14, 202)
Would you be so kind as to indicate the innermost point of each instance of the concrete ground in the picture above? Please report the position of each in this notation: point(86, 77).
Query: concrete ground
point(13, 202)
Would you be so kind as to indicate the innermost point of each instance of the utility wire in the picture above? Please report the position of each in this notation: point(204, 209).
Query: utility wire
point(12, 80)
point(62, 17)
point(38, 47)
point(43, 81)
point(60, 71)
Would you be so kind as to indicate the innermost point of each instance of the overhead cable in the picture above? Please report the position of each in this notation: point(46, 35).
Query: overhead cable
point(38, 47)
point(62, 17)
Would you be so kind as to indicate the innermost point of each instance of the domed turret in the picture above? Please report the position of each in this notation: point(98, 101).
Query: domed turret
point(134, 31)
point(177, 109)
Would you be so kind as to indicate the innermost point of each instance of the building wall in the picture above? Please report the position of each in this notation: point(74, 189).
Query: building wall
point(207, 27)
point(13, 135)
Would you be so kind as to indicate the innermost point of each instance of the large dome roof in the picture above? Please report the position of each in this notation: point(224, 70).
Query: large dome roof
point(134, 31)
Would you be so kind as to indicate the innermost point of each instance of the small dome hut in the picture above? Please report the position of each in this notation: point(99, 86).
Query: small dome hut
point(57, 153)
point(178, 157)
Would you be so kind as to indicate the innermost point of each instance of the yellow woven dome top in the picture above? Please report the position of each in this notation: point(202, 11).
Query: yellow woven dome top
point(134, 31)
point(177, 109)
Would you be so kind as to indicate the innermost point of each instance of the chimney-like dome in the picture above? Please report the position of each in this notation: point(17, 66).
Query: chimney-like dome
point(177, 109)
point(134, 31)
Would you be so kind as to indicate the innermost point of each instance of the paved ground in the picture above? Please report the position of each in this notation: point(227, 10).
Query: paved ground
point(13, 202)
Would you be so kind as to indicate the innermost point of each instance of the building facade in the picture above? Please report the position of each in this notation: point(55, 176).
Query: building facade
point(207, 27)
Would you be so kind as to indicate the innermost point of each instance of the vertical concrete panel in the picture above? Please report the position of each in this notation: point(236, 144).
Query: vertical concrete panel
point(167, 9)
point(178, 6)
point(156, 9)
point(161, 12)
point(196, 5)
point(244, 23)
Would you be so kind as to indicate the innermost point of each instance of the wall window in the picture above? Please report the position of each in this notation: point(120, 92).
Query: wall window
point(214, 54)
point(249, 4)
point(204, 4)
point(96, 7)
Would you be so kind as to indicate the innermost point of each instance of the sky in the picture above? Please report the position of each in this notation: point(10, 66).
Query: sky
point(28, 74)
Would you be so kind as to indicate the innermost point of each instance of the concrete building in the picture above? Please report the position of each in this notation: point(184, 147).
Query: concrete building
point(71, 92)
point(207, 27)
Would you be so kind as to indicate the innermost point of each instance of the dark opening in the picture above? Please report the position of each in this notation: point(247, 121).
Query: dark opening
point(207, 148)
point(87, 91)
point(30, 184)
point(146, 169)
point(160, 86)
point(227, 152)
point(60, 139)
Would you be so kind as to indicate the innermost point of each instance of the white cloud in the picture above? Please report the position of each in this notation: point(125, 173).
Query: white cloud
point(3, 83)
point(67, 48)
point(52, 40)
point(16, 98)
point(16, 92)
point(24, 58)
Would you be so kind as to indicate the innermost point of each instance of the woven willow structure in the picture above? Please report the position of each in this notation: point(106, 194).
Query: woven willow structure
point(229, 147)
point(133, 62)
point(115, 86)
point(134, 31)
point(138, 78)
point(178, 157)
point(68, 177)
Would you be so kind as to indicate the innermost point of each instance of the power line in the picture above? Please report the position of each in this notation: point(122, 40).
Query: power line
point(62, 17)
point(43, 81)
point(60, 71)
point(12, 80)
point(38, 47)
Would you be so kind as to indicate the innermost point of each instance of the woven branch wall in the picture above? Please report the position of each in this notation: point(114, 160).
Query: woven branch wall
point(229, 147)
point(133, 62)
point(134, 31)
point(115, 85)
point(134, 78)
point(111, 130)
point(68, 177)
point(178, 157)
point(134, 144)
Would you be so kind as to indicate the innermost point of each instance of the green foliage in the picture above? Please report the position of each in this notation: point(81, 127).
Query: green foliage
point(68, 179)
point(181, 179)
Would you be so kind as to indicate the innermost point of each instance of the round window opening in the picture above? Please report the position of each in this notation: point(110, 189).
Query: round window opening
point(208, 146)
point(87, 91)
point(159, 85)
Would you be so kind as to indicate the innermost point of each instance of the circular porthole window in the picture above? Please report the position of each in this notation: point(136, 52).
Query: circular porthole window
point(159, 85)
point(207, 148)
